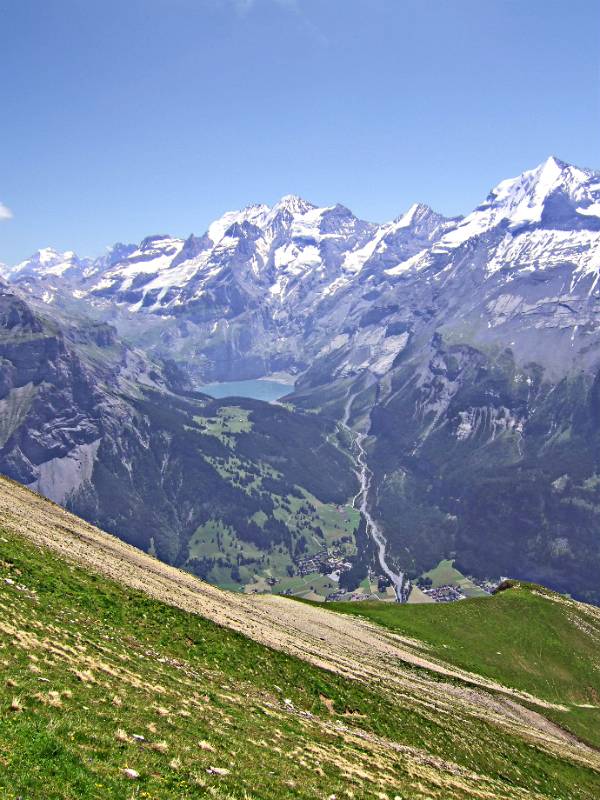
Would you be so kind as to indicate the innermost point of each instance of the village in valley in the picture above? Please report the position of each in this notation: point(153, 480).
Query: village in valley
point(325, 570)
point(445, 584)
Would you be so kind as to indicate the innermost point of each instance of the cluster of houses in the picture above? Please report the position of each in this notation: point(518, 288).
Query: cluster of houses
point(327, 563)
point(445, 594)
point(486, 584)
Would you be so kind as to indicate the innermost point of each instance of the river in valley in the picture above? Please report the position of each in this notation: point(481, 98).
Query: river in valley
point(361, 501)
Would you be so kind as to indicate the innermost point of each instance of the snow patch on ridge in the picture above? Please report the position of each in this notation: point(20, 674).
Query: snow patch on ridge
point(407, 265)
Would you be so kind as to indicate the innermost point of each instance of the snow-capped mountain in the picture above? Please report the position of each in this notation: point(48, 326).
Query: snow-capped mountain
point(559, 202)
point(292, 285)
point(485, 419)
point(49, 263)
point(266, 252)
point(468, 348)
point(278, 246)
point(274, 267)
point(528, 258)
point(552, 195)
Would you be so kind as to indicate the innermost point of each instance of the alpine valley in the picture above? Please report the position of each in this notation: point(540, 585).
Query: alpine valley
point(445, 406)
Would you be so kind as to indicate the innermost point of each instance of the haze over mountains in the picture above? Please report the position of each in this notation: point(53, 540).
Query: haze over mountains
point(466, 348)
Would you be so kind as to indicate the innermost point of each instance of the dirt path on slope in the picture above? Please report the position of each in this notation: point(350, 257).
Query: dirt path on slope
point(347, 645)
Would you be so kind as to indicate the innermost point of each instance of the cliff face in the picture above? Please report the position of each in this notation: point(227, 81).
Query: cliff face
point(51, 418)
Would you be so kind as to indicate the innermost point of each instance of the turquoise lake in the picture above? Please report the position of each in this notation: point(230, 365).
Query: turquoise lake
point(256, 389)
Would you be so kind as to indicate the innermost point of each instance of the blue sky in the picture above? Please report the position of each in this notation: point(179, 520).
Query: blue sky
point(122, 119)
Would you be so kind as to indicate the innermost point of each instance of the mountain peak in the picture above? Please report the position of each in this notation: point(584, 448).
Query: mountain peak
point(253, 213)
point(522, 201)
point(48, 254)
point(553, 162)
point(46, 261)
point(415, 213)
point(293, 204)
point(547, 176)
point(523, 198)
point(150, 241)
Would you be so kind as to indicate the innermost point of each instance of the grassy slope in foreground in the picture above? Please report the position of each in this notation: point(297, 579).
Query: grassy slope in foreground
point(87, 665)
point(526, 637)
